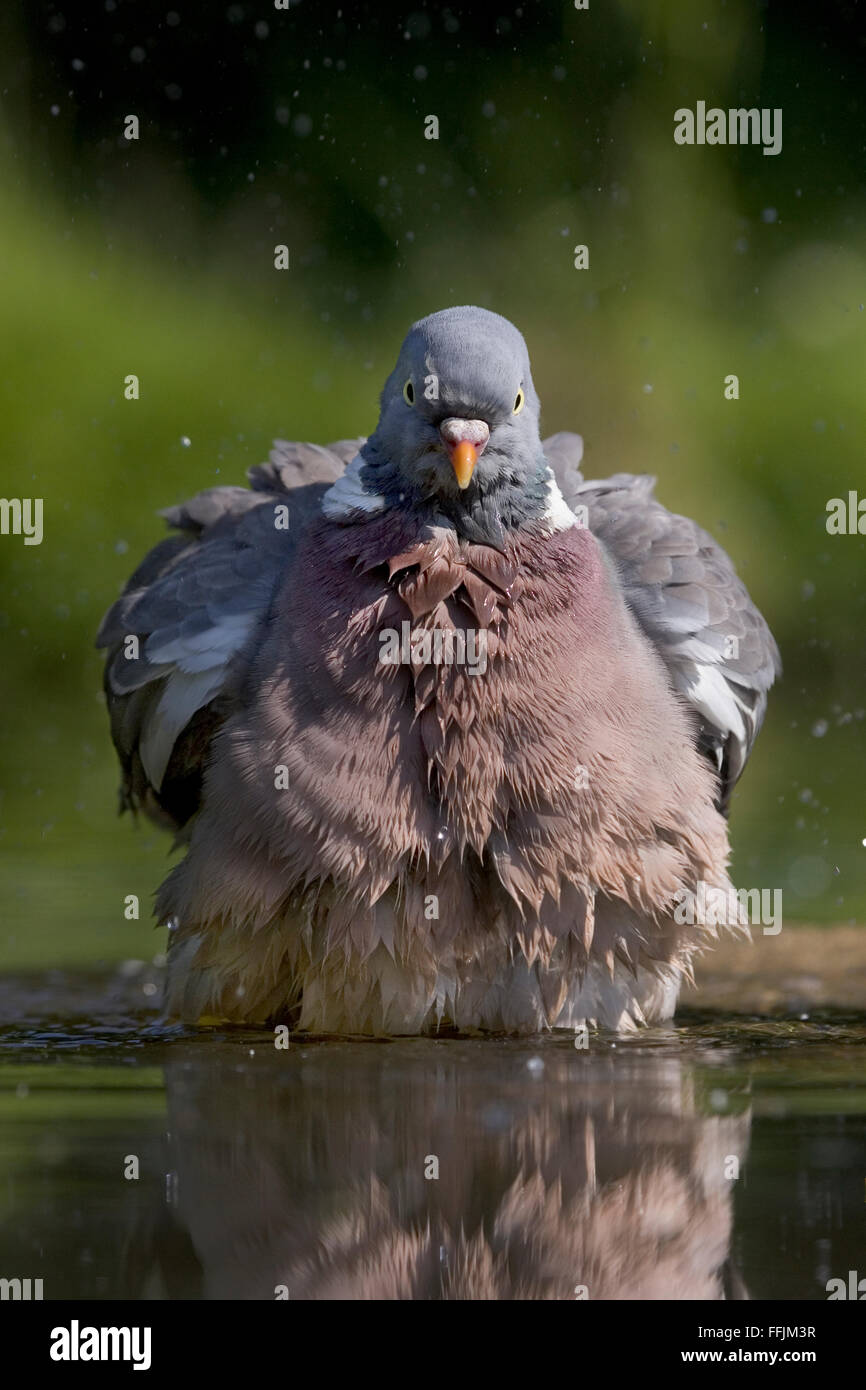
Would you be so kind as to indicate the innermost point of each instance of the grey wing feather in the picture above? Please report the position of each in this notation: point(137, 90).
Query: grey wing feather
point(685, 593)
point(194, 606)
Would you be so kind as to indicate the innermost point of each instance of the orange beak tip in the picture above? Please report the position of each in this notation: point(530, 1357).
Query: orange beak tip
point(464, 457)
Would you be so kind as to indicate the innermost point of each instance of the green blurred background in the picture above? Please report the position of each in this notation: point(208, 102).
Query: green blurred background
point(306, 127)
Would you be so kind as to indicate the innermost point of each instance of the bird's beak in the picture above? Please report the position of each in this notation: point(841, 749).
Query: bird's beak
point(464, 457)
point(465, 441)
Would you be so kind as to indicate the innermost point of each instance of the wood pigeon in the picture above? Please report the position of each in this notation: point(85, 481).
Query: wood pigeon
point(448, 732)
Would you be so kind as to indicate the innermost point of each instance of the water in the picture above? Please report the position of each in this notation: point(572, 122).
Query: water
point(724, 1156)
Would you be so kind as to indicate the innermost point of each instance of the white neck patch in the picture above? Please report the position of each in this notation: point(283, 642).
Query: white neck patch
point(348, 494)
point(558, 516)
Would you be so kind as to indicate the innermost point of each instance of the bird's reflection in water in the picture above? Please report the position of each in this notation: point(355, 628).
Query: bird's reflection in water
point(557, 1171)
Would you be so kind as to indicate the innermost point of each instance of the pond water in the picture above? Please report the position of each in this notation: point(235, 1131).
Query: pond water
point(720, 1157)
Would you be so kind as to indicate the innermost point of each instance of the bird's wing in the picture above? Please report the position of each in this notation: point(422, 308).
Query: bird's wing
point(194, 606)
point(684, 592)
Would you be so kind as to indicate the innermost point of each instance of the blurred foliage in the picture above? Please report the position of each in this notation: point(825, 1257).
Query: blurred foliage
point(306, 127)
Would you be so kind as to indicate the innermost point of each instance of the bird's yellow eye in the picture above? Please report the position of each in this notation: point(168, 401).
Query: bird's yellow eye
point(409, 393)
point(519, 403)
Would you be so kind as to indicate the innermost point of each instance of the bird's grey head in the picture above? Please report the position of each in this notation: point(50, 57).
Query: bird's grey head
point(457, 439)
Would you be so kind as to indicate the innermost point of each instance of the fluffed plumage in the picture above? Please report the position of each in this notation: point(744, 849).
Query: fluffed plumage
point(440, 749)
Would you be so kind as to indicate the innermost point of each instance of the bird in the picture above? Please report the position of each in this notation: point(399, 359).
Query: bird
point(447, 732)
